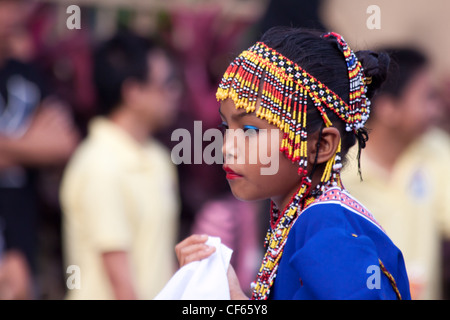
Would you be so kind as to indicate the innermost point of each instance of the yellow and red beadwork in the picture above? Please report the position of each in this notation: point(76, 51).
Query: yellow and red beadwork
point(285, 89)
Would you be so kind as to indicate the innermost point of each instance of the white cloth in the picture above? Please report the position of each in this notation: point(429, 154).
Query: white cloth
point(201, 280)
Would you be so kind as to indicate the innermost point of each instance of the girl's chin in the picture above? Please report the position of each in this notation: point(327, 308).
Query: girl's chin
point(245, 196)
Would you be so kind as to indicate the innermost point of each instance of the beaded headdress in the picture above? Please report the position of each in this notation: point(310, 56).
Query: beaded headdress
point(284, 89)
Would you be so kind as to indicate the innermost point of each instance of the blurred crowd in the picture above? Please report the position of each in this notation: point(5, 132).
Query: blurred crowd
point(86, 117)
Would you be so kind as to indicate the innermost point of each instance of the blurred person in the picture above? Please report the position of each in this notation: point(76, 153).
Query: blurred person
point(36, 133)
point(405, 169)
point(119, 193)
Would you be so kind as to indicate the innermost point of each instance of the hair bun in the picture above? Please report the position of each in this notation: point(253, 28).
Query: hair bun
point(376, 65)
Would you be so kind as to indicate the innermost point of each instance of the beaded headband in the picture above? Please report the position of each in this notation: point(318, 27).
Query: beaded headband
point(284, 89)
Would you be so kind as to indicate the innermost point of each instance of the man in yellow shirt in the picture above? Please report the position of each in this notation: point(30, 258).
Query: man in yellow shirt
point(119, 193)
point(405, 171)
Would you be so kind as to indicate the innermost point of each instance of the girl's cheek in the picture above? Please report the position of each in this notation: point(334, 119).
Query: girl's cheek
point(269, 151)
point(261, 148)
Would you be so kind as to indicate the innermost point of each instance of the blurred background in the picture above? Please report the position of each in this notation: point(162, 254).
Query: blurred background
point(202, 37)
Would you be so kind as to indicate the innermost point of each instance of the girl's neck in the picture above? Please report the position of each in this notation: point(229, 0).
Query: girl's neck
point(282, 202)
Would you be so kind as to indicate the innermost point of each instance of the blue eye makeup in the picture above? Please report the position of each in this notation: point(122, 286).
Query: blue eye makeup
point(248, 127)
point(224, 126)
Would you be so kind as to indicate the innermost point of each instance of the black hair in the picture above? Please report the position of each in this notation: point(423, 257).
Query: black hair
point(322, 58)
point(405, 64)
point(123, 57)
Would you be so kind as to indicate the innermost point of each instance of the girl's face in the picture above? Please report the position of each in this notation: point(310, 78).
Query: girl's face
point(245, 158)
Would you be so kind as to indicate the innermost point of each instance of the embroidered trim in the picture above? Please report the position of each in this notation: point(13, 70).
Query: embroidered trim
point(338, 196)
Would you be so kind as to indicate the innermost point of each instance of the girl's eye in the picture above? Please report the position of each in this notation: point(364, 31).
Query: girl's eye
point(248, 127)
point(223, 126)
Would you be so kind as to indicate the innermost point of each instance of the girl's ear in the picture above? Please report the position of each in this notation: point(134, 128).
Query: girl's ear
point(324, 149)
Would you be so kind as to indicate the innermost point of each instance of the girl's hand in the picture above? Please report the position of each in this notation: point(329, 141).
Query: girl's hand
point(192, 249)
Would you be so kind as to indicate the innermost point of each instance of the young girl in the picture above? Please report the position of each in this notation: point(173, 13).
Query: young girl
point(322, 243)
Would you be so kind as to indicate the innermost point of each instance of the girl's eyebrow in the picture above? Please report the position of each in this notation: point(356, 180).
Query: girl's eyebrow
point(235, 116)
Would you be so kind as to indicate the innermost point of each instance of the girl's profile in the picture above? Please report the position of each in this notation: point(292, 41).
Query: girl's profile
point(322, 243)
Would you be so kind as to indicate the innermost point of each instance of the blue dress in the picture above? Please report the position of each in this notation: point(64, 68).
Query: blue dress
point(336, 250)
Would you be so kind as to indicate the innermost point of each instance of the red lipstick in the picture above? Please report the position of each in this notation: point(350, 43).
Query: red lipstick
point(231, 174)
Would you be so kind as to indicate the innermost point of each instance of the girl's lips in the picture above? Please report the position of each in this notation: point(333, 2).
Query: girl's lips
point(231, 174)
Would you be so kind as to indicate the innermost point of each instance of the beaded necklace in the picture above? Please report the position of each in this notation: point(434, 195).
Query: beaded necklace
point(280, 225)
point(275, 240)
